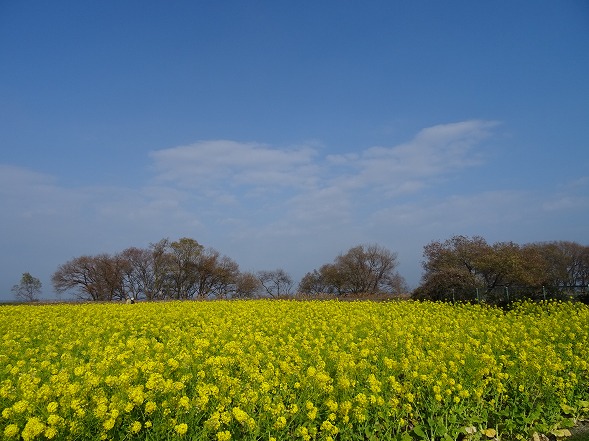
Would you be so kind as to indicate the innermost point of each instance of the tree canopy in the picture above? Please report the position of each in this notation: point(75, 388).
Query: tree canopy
point(182, 269)
point(363, 269)
point(462, 267)
point(29, 288)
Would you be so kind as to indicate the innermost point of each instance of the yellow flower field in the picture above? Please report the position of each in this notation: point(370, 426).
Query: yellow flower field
point(282, 370)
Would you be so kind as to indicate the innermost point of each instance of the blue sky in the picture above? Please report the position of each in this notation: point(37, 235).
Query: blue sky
point(284, 133)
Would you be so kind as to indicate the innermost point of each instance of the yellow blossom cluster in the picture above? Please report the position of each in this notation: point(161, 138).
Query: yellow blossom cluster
point(282, 370)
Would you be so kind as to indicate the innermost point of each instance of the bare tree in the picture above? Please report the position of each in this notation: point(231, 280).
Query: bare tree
point(76, 274)
point(276, 283)
point(216, 274)
point(314, 283)
point(29, 288)
point(226, 276)
point(185, 257)
point(455, 268)
point(207, 272)
point(138, 273)
point(163, 270)
point(247, 285)
point(366, 268)
point(363, 269)
point(183, 269)
point(571, 263)
point(98, 277)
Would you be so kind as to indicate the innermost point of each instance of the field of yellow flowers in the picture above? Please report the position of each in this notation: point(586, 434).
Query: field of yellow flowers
point(282, 370)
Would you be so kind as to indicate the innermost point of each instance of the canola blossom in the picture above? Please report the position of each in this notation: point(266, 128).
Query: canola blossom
point(289, 370)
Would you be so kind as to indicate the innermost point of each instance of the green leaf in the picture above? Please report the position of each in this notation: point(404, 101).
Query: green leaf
point(490, 432)
point(569, 410)
point(419, 432)
point(532, 417)
point(561, 433)
point(542, 427)
point(405, 437)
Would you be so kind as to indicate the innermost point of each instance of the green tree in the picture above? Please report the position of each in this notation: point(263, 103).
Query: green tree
point(29, 288)
point(460, 267)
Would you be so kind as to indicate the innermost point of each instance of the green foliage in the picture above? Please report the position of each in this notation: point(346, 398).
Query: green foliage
point(470, 269)
point(29, 288)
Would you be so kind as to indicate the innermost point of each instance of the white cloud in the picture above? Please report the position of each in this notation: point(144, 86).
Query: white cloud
point(227, 172)
point(566, 203)
point(26, 194)
point(40, 208)
point(329, 204)
point(582, 182)
point(571, 197)
point(220, 162)
point(458, 212)
point(433, 153)
point(11, 175)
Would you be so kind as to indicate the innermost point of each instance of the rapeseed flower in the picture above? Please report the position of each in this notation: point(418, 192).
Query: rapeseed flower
point(11, 431)
point(32, 429)
point(223, 436)
point(249, 367)
point(181, 429)
point(50, 432)
point(136, 427)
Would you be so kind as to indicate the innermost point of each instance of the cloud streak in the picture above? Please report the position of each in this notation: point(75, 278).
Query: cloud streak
point(227, 170)
point(222, 162)
point(433, 153)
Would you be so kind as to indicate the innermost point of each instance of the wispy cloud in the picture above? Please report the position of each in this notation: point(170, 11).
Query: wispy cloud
point(229, 163)
point(27, 194)
point(571, 196)
point(226, 170)
point(566, 203)
point(434, 152)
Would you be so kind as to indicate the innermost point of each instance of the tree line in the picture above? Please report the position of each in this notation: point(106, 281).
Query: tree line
point(364, 269)
point(459, 269)
point(470, 269)
point(182, 269)
point(185, 269)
